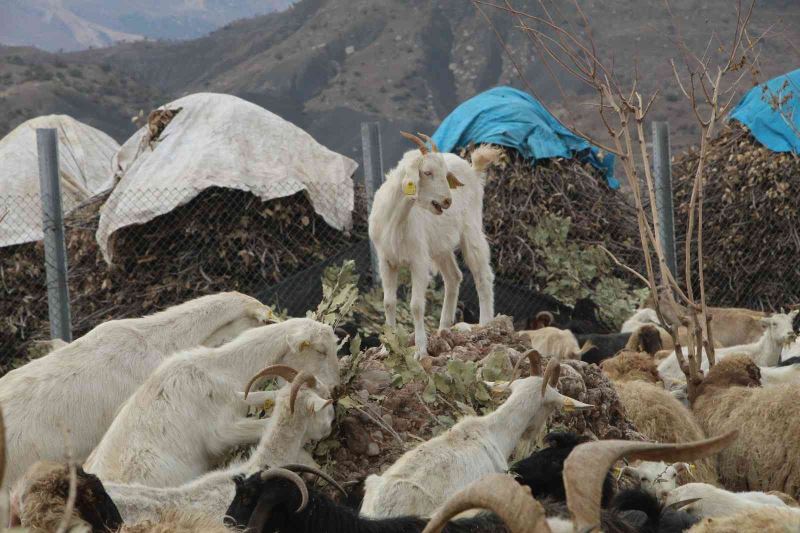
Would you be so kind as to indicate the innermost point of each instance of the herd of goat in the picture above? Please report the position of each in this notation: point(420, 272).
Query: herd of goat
point(150, 407)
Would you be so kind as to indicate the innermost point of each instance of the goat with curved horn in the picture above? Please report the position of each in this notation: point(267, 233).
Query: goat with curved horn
point(284, 371)
point(317, 472)
point(429, 140)
point(501, 494)
point(586, 467)
point(261, 512)
point(551, 375)
point(303, 378)
point(416, 140)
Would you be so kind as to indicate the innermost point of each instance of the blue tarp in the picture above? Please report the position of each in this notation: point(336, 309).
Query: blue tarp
point(509, 117)
point(777, 129)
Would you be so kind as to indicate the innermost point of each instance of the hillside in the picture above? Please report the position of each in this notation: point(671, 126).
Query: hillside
point(78, 24)
point(326, 65)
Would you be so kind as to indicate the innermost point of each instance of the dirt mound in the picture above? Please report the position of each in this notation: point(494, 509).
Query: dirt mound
point(391, 403)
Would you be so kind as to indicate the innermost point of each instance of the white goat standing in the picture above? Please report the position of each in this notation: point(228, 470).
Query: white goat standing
point(300, 415)
point(178, 424)
point(425, 477)
point(81, 386)
point(778, 332)
point(417, 221)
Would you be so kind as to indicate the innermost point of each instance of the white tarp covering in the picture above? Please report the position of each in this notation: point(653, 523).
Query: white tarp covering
point(218, 140)
point(84, 155)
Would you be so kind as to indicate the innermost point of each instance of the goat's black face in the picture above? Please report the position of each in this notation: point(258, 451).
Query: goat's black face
point(264, 502)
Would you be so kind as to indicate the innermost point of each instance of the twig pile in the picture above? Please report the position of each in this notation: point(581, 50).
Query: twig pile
point(391, 403)
point(750, 231)
point(222, 240)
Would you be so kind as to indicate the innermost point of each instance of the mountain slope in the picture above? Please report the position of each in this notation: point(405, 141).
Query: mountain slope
point(79, 24)
point(327, 65)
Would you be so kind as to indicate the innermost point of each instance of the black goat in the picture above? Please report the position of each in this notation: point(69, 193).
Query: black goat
point(645, 512)
point(604, 345)
point(791, 361)
point(274, 505)
point(582, 319)
point(542, 470)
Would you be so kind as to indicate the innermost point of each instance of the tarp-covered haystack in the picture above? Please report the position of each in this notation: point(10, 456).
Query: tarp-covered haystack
point(751, 210)
point(85, 155)
point(549, 205)
point(220, 235)
point(210, 140)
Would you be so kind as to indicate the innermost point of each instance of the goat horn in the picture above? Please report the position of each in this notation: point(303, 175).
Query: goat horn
point(416, 140)
point(676, 506)
point(551, 374)
point(587, 465)
point(433, 144)
point(291, 476)
point(535, 359)
point(285, 371)
point(501, 494)
point(303, 378)
point(317, 472)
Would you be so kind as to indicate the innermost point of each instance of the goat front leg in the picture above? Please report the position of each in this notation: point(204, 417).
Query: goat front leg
point(478, 258)
point(389, 275)
point(420, 276)
point(452, 280)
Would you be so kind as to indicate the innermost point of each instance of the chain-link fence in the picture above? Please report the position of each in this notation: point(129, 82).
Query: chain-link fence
point(553, 229)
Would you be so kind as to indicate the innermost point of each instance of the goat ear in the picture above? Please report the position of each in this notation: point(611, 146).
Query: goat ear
point(298, 341)
point(258, 398)
point(682, 467)
point(317, 404)
point(452, 181)
point(766, 322)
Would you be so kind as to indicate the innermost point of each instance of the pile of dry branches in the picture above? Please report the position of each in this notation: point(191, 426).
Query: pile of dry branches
point(750, 221)
point(519, 194)
point(391, 403)
point(222, 240)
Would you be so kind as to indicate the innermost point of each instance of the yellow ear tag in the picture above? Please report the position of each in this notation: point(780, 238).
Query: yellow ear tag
point(569, 406)
point(269, 403)
point(304, 345)
point(617, 472)
point(410, 189)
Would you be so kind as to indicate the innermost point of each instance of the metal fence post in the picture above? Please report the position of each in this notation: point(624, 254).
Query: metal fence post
point(663, 183)
point(372, 152)
point(55, 253)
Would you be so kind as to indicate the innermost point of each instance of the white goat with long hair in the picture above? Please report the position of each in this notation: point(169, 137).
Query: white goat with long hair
point(81, 386)
point(186, 415)
point(300, 415)
point(423, 478)
point(431, 204)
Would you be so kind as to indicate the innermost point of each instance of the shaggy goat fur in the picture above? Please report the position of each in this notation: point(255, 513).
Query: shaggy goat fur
point(713, 501)
point(774, 520)
point(41, 498)
point(179, 521)
point(82, 385)
point(657, 415)
point(417, 221)
point(764, 457)
point(631, 366)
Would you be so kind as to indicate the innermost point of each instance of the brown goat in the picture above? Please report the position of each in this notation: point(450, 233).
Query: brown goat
point(631, 366)
point(764, 457)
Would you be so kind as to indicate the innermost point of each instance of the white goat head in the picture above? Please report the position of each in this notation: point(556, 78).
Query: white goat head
point(427, 180)
point(312, 401)
point(779, 327)
point(657, 477)
point(312, 346)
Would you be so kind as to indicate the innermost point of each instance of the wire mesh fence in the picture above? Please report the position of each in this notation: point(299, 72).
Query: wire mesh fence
point(552, 229)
